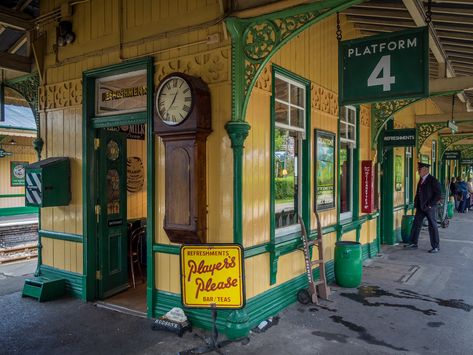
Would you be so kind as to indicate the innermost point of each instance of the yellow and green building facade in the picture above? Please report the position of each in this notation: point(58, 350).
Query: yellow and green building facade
point(280, 146)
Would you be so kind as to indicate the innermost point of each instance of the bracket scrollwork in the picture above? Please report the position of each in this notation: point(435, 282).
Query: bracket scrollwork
point(28, 87)
point(425, 130)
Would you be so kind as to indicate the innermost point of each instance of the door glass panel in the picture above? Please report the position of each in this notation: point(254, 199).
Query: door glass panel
point(113, 151)
point(113, 192)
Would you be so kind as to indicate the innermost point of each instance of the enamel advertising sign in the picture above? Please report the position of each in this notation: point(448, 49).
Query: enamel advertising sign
point(212, 276)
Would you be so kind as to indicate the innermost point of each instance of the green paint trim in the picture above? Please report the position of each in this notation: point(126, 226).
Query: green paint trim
point(150, 189)
point(61, 236)
point(120, 120)
point(356, 169)
point(74, 281)
point(237, 131)
point(89, 159)
point(166, 249)
point(387, 201)
point(11, 211)
point(18, 128)
point(12, 195)
point(259, 307)
point(399, 208)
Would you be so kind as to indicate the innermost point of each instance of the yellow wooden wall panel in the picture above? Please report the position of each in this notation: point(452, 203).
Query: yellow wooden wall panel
point(59, 254)
point(136, 202)
point(256, 186)
point(80, 258)
point(350, 236)
point(47, 251)
point(167, 276)
point(364, 234)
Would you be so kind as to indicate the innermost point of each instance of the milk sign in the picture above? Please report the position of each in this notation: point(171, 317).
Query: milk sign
point(384, 67)
point(212, 276)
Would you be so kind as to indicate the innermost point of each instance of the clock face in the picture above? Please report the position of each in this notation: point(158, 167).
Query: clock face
point(174, 100)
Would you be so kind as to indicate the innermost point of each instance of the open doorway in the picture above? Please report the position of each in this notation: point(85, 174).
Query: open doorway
point(122, 200)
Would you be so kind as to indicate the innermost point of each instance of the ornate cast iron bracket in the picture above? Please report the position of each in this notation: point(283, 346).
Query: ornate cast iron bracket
point(28, 87)
point(425, 130)
point(382, 112)
point(256, 40)
point(447, 141)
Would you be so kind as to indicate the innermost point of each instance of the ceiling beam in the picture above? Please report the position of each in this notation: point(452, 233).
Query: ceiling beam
point(15, 47)
point(451, 84)
point(368, 12)
point(442, 117)
point(15, 62)
point(22, 4)
point(15, 19)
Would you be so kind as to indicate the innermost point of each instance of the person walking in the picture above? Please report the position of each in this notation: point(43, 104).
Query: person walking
point(427, 197)
point(462, 191)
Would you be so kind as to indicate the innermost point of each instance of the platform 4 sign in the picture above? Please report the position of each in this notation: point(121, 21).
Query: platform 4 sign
point(212, 276)
point(384, 67)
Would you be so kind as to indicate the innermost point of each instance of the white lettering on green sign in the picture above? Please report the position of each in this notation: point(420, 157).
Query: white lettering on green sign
point(378, 48)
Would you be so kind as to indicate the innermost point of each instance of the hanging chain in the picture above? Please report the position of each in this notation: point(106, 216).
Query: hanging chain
point(339, 30)
point(453, 104)
point(428, 14)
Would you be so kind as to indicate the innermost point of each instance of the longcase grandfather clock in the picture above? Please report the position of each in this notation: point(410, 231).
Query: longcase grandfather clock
point(183, 120)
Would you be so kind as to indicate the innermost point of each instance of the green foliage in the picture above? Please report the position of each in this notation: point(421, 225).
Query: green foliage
point(284, 188)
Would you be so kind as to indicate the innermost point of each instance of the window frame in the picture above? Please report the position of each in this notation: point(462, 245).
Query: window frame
point(303, 163)
point(347, 216)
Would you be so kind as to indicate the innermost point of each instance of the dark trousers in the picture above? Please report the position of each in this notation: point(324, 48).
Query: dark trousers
point(433, 229)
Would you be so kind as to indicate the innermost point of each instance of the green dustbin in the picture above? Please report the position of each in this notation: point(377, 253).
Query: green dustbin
point(406, 227)
point(450, 209)
point(348, 264)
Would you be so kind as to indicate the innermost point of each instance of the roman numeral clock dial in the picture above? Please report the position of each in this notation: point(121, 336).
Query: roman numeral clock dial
point(174, 100)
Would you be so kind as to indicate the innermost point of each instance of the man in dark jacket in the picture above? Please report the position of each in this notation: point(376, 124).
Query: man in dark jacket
point(425, 202)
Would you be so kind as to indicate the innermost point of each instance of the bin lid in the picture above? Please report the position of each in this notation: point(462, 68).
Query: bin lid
point(46, 162)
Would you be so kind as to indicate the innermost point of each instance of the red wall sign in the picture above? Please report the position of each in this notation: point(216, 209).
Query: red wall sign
point(367, 186)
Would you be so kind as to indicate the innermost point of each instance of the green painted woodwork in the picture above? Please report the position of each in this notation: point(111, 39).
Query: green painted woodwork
point(11, 211)
point(112, 237)
point(44, 289)
point(89, 171)
point(405, 74)
point(425, 130)
point(387, 193)
point(258, 308)
point(12, 195)
point(167, 249)
point(61, 236)
point(354, 223)
point(255, 40)
point(383, 112)
point(237, 131)
point(446, 141)
point(28, 87)
point(74, 281)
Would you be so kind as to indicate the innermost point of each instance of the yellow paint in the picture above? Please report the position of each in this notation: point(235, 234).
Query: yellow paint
point(64, 255)
point(22, 152)
point(212, 275)
point(136, 201)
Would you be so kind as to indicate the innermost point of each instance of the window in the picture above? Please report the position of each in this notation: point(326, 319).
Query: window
point(347, 146)
point(289, 133)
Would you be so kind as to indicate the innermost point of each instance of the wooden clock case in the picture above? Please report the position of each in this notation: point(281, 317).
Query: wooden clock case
point(185, 219)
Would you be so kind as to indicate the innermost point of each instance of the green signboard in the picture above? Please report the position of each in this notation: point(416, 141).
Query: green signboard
point(17, 173)
point(384, 67)
point(466, 162)
point(452, 155)
point(405, 137)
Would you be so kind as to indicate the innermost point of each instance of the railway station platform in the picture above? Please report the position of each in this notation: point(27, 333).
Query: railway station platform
point(410, 301)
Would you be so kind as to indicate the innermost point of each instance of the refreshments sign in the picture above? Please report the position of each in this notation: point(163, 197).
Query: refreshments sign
point(384, 67)
point(405, 137)
point(212, 276)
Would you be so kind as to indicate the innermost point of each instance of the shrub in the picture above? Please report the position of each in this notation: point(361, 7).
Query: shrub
point(284, 188)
